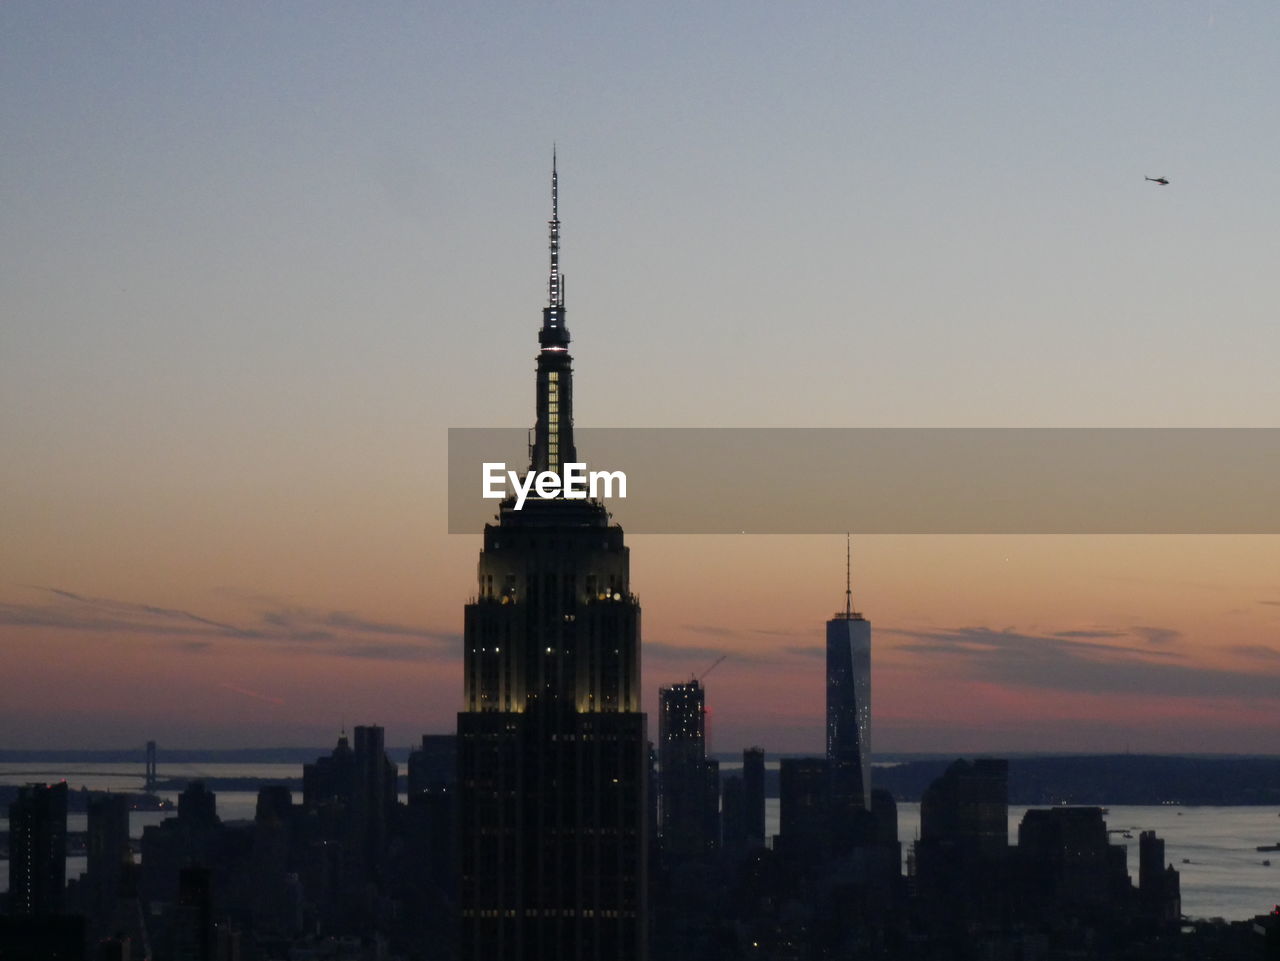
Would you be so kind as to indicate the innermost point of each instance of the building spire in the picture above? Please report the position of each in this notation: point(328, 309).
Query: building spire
point(553, 433)
point(555, 286)
point(848, 576)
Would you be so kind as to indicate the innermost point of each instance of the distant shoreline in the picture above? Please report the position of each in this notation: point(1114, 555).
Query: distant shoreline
point(1041, 780)
point(291, 755)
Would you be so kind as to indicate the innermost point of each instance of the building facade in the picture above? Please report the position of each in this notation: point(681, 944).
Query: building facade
point(753, 795)
point(552, 752)
point(38, 850)
point(689, 783)
point(849, 707)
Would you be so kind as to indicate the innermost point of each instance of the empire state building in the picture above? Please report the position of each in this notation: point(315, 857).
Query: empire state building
point(552, 753)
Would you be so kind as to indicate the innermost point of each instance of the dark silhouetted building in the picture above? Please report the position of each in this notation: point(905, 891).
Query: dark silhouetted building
point(42, 938)
point(711, 805)
point(109, 859)
point(879, 848)
point(330, 780)
point(804, 808)
point(349, 799)
point(652, 827)
point(969, 805)
point(114, 949)
point(373, 801)
point(197, 804)
point(885, 811)
point(688, 783)
point(434, 765)
point(274, 806)
point(194, 837)
point(269, 882)
point(848, 726)
point(849, 707)
point(1068, 864)
point(552, 750)
point(38, 850)
point(733, 820)
point(753, 795)
point(191, 918)
point(962, 857)
point(1159, 886)
point(433, 811)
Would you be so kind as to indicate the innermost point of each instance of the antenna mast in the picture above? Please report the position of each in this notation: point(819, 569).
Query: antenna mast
point(555, 288)
point(848, 577)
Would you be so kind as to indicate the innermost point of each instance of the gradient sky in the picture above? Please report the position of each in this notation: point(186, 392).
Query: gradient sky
point(255, 259)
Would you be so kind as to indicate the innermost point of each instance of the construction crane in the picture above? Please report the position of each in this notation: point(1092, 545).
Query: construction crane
point(714, 665)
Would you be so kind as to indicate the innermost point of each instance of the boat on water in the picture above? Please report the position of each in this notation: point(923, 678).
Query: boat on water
point(1268, 847)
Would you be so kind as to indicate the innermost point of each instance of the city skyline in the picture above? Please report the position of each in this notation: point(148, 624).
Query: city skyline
point(246, 293)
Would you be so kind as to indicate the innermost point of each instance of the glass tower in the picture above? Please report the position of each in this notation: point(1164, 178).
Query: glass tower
point(849, 706)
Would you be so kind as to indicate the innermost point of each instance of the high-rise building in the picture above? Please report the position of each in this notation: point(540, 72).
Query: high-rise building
point(711, 805)
point(733, 821)
point(1150, 860)
point(849, 706)
point(962, 855)
point(108, 857)
point(197, 804)
point(753, 795)
point(194, 837)
point(804, 808)
point(884, 809)
point(434, 766)
point(969, 805)
point(330, 779)
point(191, 917)
point(552, 753)
point(38, 850)
point(1069, 863)
point(1159, 887)
point(373, 802)
point(267, 886)
point(689, 789)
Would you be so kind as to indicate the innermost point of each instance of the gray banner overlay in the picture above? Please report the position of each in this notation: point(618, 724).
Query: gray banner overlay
point(907, 480)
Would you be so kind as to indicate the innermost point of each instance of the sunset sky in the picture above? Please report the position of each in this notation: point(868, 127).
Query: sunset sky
point(256, 259)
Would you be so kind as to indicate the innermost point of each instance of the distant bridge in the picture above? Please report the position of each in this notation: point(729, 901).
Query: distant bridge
point(61, 774)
